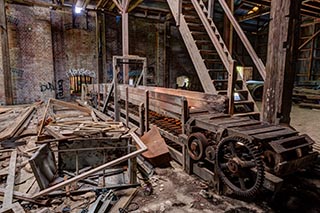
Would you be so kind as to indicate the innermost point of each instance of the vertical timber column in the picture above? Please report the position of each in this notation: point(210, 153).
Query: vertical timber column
point(99, 47)
point(125, 40)
point(5, 58)
point(228, 29)
point(281, 61)
point(104, 48)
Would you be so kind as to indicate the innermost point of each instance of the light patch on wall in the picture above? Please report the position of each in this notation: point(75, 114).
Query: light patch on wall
point(77, 10)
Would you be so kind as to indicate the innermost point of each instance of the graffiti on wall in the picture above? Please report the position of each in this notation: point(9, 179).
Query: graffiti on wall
point(51, 88)
point(47, 87)
point(81, 72)
point(60, 94)
point(17, 72)
point(12, 20)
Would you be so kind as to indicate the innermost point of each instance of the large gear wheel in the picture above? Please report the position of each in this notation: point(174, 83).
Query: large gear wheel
point(197, 144)
point(239, 165)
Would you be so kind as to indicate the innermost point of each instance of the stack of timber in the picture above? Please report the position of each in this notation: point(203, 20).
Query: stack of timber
point(31, 179)
point(309, 98)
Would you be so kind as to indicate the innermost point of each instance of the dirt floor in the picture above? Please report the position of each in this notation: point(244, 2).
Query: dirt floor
point(175, 191)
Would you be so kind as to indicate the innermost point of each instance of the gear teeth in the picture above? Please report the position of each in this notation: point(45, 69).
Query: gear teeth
point(257, 157)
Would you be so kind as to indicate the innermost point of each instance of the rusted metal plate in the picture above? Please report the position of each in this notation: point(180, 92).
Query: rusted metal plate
point(158, 152)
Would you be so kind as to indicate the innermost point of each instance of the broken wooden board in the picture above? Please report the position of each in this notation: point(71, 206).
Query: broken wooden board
point(126, 197)
point(8, 195)
point(13, 208)
point(43, 166)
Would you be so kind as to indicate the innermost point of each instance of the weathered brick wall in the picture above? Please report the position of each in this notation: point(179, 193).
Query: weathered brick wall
point(146, 39)
point(113, 43)
point(44, 45)
point(30, 44)
point(74, 47)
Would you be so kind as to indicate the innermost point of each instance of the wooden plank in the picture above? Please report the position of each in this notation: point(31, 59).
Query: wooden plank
point(275, 134)
point(44, 117)
point(25, 197)
point(125, 199)
point(15, 208)
point(264, 129)
point(70, 105)
point(309, 105)
point(8, 195)
point(243, 123)
point(10, 132)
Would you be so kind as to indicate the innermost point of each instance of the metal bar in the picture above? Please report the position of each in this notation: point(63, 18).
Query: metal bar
point(142, 149)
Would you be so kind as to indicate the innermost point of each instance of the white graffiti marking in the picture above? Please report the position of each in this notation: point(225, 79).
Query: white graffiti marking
point(81, 72)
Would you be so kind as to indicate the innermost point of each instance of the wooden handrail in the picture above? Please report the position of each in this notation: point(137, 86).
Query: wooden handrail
point(256, 60)
point(213, 37)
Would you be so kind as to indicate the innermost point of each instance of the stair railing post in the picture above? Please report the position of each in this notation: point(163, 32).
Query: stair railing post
point(232, 77)
point(179, 12)
point(210, 8)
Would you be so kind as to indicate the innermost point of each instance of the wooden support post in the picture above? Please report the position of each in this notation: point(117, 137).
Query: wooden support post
point(144, 71)
point(146, 111)
point(228, 29)
point(141, 122)
point(232, 77)
point(8, 195)
point(210, 8)
point(5, 54)
point(132, 162)
point(104, 48)
point(281, 63)
point(179, 12)
point(125, 41)
point(115, 94)
point(127, 106)
point(99, 55)
point(184, 114)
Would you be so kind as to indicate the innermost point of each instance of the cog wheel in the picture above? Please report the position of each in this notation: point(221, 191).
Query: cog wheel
point(239, 165)
point(197, 144)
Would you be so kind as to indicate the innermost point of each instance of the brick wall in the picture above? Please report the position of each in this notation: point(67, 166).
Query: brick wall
point(74, 47)
point(44, 44)
point(30, 44)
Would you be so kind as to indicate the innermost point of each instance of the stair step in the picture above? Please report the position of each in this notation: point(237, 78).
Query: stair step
point(196, 27)
point(217, 70)
point(192, 19)
point(197, 33)
point(212, 60)
point(246, 102)
point(203, 42)
point(256, 115)
point(208, 51)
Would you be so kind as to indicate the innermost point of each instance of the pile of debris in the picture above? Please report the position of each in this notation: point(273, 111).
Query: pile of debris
point(64, 157)
point(308, 96)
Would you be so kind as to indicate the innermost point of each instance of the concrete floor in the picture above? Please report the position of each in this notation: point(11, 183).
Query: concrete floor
point(307, 121)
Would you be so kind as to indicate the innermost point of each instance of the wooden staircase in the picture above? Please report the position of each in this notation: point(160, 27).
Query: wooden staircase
point(211, 58)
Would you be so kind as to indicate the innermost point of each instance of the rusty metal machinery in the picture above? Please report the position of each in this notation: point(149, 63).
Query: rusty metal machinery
point(239, 154)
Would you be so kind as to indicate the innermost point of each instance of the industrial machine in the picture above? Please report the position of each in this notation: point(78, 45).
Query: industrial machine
point(237, 154)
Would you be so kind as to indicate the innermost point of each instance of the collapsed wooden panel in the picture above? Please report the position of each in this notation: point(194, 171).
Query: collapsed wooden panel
point(43, 166)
